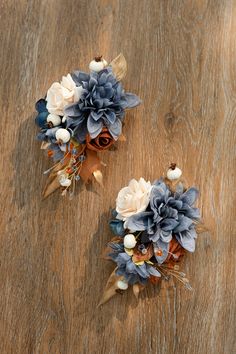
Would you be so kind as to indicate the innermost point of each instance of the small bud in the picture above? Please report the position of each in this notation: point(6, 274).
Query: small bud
point(130, 241)
point(97, 64)
point(54, 119)
point(174, 172)
point(122, 285)
point(62, 135)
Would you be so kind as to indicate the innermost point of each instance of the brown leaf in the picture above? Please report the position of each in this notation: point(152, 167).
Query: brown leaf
point(111, 287)
point(176, 249)
point(52, 185)
point(119, 67)
point(98, 176)
point(44, 145)
point(137, 288)
point(57, 168)
point(90, 165)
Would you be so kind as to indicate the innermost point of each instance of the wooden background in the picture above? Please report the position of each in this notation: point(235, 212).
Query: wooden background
point(182, 62)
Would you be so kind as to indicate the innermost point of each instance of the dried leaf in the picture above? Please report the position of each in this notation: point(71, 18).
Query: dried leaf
point(137, 288)
point(52, 185)
point(90, 165)
point(44, 145)
point(98, 176)
point(111, 287)
point(175, 249)
point(122, 137)
point(119, 67)
point(57, 168)
point(154, 280)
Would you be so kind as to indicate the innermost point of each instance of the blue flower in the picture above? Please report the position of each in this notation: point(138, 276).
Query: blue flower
point(132, 272)
point(47, 133)
point(168, 214)
point(41, 118)
point(102, 104)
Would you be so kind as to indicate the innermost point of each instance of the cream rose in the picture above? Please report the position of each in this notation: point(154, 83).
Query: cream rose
point(61, 94)
point(133, 199)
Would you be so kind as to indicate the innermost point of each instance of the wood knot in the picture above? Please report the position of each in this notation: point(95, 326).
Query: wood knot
point(169, 120)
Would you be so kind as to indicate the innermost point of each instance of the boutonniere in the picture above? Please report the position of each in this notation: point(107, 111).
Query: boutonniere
point(155, 225)
point(81, 116)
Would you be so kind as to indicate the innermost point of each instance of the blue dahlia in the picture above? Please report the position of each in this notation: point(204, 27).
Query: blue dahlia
point(132, 272)
point(102, 104)
point(168, 215)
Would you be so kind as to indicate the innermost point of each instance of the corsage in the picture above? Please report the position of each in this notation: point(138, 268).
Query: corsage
point(154, 225)
point(80, 116)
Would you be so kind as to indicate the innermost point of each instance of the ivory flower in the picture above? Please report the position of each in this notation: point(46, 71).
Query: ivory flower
point(133, 199)
point(62, 94)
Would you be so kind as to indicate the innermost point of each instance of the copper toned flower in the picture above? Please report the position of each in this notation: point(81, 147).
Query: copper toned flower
point(102, 142)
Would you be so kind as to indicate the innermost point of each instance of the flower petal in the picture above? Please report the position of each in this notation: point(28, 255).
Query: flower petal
point(115, 129)
point(40, 105)
point(183, 224)
point(190, 196)
point(132, 100)
point(117, 227)
point(140, 221)
point(94, 127)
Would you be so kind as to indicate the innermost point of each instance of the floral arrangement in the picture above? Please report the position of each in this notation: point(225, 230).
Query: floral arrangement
point(81, 116)
point(154, 226)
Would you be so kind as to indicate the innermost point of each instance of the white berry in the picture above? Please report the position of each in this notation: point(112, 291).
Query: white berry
point(97, 66)
point(62, 135)
point(65, 182)
point(64, 119)
point(122, 285)
point(54, 119)
point(173, 174)
point(129, 241)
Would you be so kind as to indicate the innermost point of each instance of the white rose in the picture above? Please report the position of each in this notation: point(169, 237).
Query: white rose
point(133, 199)
point(61, 94)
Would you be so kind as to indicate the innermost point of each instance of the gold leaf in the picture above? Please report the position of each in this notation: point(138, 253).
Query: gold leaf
point(119, 67)
point(111, 287)
point(52, 185)
point(98, 176)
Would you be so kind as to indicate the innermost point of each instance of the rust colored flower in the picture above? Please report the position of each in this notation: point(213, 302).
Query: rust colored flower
point(175, 249)
point(138, 256)
point(102, 142)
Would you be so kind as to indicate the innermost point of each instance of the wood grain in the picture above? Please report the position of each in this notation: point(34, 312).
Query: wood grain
point(181, 61)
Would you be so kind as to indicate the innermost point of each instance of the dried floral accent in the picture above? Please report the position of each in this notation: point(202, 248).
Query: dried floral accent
point(111, 288)
point(82, 115)
point(137, 288)
point(153, 239)
point(119, 67)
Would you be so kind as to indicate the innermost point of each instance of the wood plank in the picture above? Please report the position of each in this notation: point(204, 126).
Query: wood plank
point(181, 61)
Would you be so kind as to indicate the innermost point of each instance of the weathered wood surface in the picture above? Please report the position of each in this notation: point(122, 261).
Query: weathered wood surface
point(181, 61)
